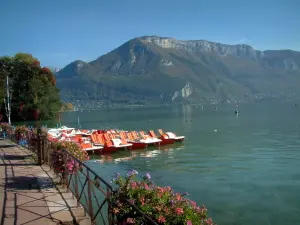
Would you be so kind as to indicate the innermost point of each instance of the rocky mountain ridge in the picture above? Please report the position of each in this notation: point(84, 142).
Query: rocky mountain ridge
point(152, 68)
point(239, 50)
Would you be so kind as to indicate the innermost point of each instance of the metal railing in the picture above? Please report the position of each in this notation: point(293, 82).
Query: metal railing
point(90, 190)
point(93, 192)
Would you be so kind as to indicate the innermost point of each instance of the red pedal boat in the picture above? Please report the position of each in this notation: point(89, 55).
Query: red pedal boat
point(136, 144)
point(172, 136)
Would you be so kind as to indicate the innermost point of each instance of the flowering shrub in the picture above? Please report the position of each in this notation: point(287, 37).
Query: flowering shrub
point(21, 130)
point(57, 156)
point(5, 126)
point(5, 129)
point(46, 70)
point(36, 63)
point(162, 204)
point(22, 133)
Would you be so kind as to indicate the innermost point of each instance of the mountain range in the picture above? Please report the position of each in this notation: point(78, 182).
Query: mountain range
point(152, 69)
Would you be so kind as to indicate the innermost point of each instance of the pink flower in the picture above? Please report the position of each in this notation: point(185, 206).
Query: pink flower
point(161, 219)
point(193, 203)
point(130, 220)
point(161, 190)
point(158, 208)
point(179, 211)
point(146, 186)
point(168, 188)
point(142, 200)
point(133, 185)
point(203, 209)
point(189, 222)
point(209, 221)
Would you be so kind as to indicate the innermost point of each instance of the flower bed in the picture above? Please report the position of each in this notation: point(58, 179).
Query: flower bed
point(162, 204)
point(57, 156)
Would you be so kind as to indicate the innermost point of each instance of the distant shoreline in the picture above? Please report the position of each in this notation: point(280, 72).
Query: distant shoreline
point(112, 107)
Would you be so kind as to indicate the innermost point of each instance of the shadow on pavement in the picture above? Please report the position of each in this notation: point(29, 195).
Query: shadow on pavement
point(27, 183)
point(7, 146)
point(15, 157)
point(23, 200)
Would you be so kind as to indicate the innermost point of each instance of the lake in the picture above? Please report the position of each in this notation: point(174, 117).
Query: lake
point(244, 168)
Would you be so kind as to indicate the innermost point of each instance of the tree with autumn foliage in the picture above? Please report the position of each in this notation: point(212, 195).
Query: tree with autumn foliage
point(69, 106)
point(66, 107)
point(33, 88)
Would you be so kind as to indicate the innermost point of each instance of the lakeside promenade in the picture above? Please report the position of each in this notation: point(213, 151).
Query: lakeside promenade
point(28, 194)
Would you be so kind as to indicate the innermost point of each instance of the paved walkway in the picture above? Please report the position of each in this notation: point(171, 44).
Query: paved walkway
point(27, 193)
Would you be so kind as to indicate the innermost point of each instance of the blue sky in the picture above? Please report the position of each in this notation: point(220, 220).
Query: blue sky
point(60, 31)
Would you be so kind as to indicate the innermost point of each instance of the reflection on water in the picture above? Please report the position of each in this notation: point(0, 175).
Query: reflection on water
point(124, 156)
point(187, 117)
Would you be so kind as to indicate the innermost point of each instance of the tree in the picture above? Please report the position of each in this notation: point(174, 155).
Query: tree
point(69, 106)
point(62, 108)
point(2, 87)
point(32, 88)
point(26, 58)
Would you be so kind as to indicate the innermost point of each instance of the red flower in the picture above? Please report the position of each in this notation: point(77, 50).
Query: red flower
point(161, 219)
point(133, 185)
point(37, 63)
point(179, 211)
point(142, 200)
point(46, 70)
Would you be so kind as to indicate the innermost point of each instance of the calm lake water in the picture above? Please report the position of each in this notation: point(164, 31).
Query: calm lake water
point(245, 168)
